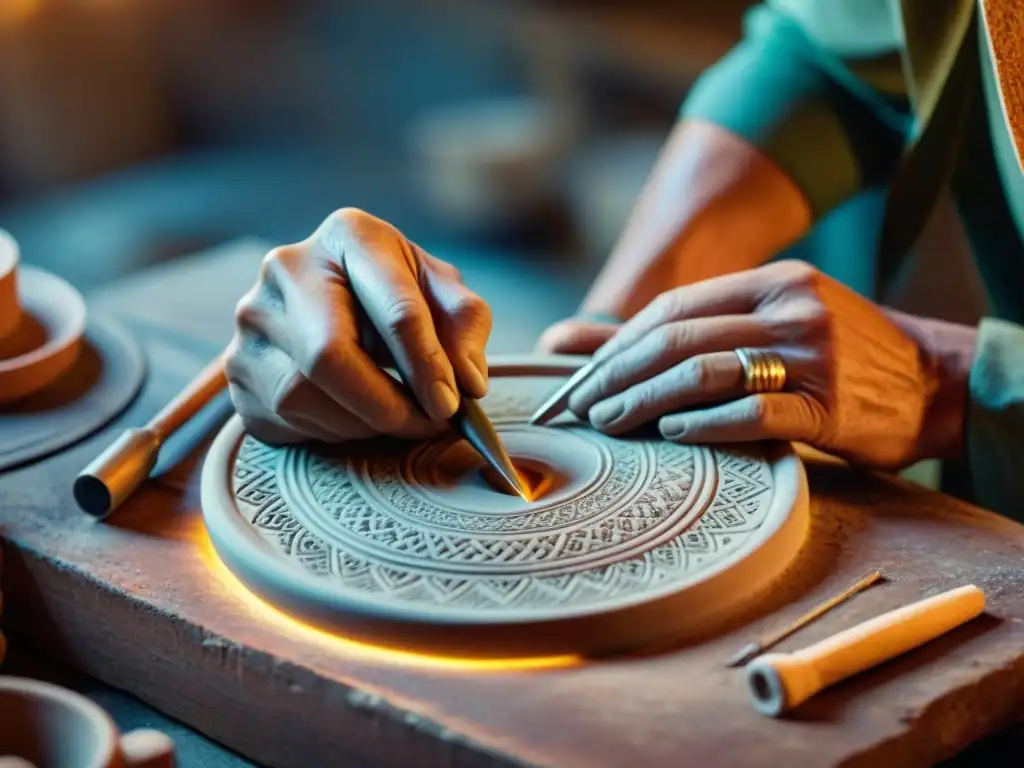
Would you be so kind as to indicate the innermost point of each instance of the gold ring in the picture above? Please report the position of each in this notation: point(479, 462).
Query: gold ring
point(763, 370)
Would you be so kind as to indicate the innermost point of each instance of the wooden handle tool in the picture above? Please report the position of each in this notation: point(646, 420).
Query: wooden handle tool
point(755, 649)
point(125, 465)
point(778, 682)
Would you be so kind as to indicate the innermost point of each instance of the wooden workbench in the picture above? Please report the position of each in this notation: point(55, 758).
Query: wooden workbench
point(140, 603)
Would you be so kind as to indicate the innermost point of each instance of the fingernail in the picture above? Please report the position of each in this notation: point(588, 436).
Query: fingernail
point(443, 401)
point(607, 412)
point(476, 372)
point(673, 432)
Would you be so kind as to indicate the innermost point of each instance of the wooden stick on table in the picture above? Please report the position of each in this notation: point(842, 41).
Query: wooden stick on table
point(125, 465)
point(778, 682)
point(752, 650)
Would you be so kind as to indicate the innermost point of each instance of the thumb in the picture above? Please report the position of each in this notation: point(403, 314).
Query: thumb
point(575, 337)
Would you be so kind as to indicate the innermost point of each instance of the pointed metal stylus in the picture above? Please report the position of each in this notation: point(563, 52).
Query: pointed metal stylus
point(477, 429)
point(755, 649)
point(559, 402)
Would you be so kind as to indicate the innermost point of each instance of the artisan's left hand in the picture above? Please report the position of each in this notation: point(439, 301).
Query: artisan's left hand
point(863, 383)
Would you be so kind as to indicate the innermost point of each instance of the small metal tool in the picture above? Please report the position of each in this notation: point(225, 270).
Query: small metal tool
point(752, 650)
point(559, 401)
point(473, 424)
point(128, 462)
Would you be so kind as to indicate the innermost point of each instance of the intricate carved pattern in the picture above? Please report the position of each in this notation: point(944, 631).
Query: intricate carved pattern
point(659, 514)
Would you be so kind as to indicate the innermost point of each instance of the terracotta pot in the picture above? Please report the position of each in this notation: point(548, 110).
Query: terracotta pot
point(45, 338)
point(10, 308)
point(52, 727)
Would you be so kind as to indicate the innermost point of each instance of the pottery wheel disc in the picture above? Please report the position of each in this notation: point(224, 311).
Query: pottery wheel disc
point(634, 541)
point(104, 379)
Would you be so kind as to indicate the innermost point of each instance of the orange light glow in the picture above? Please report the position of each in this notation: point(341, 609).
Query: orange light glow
point(14, 11)
point(363, 651)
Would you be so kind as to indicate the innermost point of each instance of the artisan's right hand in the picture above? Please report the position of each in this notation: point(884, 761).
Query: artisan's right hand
point(328, 313)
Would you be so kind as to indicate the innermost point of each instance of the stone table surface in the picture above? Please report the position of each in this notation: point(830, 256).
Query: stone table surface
point(139, 604)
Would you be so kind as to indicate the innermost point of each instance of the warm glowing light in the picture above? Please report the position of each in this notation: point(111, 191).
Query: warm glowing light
point(535, 479)
point(14, 11)
point(363, 651)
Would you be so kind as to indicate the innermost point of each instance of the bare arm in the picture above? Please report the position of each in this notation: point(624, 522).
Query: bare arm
point(713, 204)
point(771, 139)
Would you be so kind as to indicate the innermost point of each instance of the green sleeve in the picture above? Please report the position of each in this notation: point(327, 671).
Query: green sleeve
point(830, 132)
point(995, 419)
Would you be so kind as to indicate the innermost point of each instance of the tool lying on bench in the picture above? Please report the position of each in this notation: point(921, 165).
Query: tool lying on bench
point(752, 650)
point(778, 682)
point(127, 463)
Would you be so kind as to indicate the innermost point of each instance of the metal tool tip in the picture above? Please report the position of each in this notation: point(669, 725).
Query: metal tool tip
point(745, 654)
point(515, 482)
point(541, 417)
point(558, 403)
point(524, 494)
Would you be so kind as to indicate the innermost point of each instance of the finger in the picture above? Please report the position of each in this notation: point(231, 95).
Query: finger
point(575, 337)
point(300, 403)
point(280, 397)
point(663, 348)
point(262, 425)
point(315, 323)
point(703, 379)
point(463, 322)
point(381, 267)
point(737, 293)
point(774, 416)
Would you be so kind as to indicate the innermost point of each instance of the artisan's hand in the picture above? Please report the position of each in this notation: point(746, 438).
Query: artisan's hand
point(324, 317)
point(863, 383)
point(576, 336)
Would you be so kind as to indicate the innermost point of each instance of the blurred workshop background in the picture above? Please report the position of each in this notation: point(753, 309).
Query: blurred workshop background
point(494, 132)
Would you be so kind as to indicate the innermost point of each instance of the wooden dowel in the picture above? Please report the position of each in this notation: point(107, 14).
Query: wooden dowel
point(778, 682)
point(128, 462)
point(751, 650)
point(190, 401)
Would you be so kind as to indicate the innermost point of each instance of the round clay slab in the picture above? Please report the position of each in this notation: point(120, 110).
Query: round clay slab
point(633, 541)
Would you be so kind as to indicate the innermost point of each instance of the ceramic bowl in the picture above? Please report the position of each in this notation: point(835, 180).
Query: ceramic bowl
point(52, 727)
point(10, 309)
point(48, 339)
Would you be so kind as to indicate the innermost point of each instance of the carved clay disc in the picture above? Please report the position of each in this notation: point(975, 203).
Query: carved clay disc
point(634, 541)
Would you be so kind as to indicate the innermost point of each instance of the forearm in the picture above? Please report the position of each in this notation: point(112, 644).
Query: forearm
point(713, 204)
point(772, 138)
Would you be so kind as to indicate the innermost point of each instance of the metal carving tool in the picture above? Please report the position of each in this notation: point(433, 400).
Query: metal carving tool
point(474, 425)
point(104, 485)
point(128, 462)
point(559, 401)
point(755, 649)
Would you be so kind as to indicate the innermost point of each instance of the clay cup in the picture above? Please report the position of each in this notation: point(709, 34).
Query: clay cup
point(47, 726)
point(10, 309)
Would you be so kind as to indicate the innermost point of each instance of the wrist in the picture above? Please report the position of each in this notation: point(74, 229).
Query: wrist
point(947, 356)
